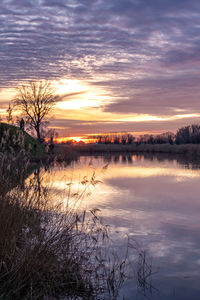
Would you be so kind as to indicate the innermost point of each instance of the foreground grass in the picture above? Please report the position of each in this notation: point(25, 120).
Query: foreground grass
point(48, 253)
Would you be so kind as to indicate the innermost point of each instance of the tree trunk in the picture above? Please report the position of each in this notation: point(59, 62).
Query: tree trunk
point(38, 134)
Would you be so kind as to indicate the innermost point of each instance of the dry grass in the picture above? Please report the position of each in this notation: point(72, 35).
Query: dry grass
point(13, 164)
point(48, 253)
point(189, 149)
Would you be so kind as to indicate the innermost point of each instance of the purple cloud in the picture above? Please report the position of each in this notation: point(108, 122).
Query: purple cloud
point(145, 53)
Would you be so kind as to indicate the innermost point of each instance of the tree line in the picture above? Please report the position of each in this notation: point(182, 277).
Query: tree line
point(184, 135)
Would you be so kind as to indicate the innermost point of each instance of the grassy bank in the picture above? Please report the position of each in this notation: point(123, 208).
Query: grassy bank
point(191, 149)
point(13, 139)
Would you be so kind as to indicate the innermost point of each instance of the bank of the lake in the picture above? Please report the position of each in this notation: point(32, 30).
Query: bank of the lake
point(13, 139)
point(188, 149)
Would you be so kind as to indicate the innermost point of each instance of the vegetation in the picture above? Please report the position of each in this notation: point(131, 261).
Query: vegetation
point(184, 135)
point(128, 139)
point(35, 100)
point(15, 141)
point(186, 149)
point(49, 253)
point(188, 135)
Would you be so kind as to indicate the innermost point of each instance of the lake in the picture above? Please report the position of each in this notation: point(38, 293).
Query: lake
point(155, 201)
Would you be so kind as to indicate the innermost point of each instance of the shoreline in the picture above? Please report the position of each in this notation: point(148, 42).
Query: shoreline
point(187, 149)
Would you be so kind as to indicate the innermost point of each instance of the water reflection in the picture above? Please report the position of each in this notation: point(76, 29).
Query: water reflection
point(153, 199)
point(190, 162)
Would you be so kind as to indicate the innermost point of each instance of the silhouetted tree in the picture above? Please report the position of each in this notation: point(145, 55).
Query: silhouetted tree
point(195, 134)
point(116, 140)
point(100, 140)
point(35, 100)
point(124, 139)
point(183, 135)
point(130, 138)
point(171, 139)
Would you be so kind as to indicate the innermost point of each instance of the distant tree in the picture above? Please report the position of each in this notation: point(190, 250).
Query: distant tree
point(35, 100)
point(143, 139)
point(9, 116)
point(151, 140)
point(107, 139)
point(188, 134)
point(130, 138)
point(123, 139)
point(171, 138)
point(183, 135)
point(195, 134)
point(116, 139)
point(100, 140)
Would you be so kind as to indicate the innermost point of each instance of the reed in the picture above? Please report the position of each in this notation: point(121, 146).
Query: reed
point(47, 251)
point(186, 149)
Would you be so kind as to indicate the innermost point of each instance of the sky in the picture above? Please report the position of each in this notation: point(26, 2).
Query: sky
point(118, 65)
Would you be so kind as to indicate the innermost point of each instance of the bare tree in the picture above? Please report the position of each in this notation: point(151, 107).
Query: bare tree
point(35, 100)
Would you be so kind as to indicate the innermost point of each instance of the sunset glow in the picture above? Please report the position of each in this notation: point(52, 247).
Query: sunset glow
point(121, 76)
point(77, 95)
point(74, 139)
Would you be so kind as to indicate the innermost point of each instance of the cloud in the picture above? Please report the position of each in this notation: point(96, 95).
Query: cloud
point(68, 96)
point(80, 127)
point(157, 96)
point(145, 53)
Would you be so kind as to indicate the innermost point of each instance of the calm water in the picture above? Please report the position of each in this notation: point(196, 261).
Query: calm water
point(156, 202)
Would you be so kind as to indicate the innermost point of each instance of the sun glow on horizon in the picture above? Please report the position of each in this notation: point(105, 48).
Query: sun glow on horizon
point(76, 139)
point(73, 139)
